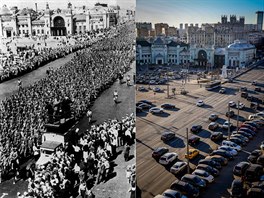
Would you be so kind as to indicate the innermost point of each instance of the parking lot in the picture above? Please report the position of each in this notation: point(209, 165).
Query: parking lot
point(154, 178)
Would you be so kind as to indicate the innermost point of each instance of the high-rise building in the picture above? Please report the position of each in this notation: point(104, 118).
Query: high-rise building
point(181, 26)
point(172, 31)
point(143, 29)
point(186, 26)
point(259, 20)
point(161, 26)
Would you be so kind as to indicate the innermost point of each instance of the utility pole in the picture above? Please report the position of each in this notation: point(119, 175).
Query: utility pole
point(188, 160)
point(228, 122)
point(168, 90)
point(238, 102)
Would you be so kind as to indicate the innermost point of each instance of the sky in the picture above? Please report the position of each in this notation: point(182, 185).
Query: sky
point(175, 12)
point(54, 4)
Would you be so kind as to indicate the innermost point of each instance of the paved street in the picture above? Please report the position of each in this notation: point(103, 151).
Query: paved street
point(154, 178)
point(104, 108)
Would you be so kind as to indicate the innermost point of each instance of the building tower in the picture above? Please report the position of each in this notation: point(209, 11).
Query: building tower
point(69, 20)
point(233, 19)
point(259, 20)
point(47, 20)
point(224, 19)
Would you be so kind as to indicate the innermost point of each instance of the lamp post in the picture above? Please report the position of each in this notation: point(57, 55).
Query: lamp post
point(228, 122)
point(188, 160)
point(238, 102)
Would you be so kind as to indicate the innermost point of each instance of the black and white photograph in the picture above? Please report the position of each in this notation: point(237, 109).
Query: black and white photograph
point(67, 99)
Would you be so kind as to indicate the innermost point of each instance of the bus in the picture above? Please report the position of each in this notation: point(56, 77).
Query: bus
point(212, 85)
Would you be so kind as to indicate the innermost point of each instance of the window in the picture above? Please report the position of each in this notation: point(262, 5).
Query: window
point(84, 27)
point(38, 31)
point(42, 31)
point(23, 31)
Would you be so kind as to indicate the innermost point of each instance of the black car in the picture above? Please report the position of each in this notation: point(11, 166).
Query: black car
point(167, 135)
point(146, 101)
point(238, 141)
point(193, 140)
point(168, 106)
point(255, 192)
point(260, 160)
point(230, 114)
point(185, 188)
point(158, 152)
point(210, 162)
point(248, 135)
point(244, 94)
point(240, 168)
point(252, 158)
point(258, 89)
point(223, 153)
point(209, 169)
point(216, 136)
point(144, 106)
point(196, 128)
point(247, 130)
point(237, 188)
point(139, 109)
point(243, 89)
point(253, 172)
point(253, 124)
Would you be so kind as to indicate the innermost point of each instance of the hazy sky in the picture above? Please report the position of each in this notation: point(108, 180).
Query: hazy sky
point(54, 4)
point(175, 12)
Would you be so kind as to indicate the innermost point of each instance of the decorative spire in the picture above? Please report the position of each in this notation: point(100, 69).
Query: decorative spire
point(47, 6)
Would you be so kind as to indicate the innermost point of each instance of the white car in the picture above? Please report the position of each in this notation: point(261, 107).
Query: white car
point(178, 167)
point(254, 116)
point(154, 110)
point(262, 145)
point(168, 158)
point(231, 144)
point(261, 114)
point(232, 104)
point(199, 103)
point(240, 106)
point(157, 89)
point(204, 175)
point(228, 149)
point(225, 125)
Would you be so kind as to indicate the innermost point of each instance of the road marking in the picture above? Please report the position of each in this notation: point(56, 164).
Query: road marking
point(4, 194)
point(246, 152)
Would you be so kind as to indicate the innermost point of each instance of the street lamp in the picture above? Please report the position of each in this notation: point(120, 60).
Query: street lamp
point(228, 122)
point(238, 102)
point(188, 160)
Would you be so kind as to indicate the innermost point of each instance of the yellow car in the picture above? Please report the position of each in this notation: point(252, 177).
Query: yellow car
point(192, 153)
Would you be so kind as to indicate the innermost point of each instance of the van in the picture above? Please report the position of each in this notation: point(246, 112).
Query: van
point(244, 94)
point(253, 172)
point(231, 145)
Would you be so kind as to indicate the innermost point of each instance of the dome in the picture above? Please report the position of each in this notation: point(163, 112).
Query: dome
point(5, 11)
point(220, 51)
point(240, 45)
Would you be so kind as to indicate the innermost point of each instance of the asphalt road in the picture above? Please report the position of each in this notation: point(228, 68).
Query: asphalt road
point(154, 178)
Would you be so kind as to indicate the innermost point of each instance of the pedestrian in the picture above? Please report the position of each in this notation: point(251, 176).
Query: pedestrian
point(126, 152)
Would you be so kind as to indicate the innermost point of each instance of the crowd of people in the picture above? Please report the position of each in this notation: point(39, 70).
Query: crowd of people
point(30, 59)
point(84, 162)
point(24, 114)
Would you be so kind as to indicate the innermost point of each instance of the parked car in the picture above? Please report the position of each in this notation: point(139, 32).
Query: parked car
point(168, 158)
point(247, 130)
point(146, 101)
point(230, 114)
point(185, 188)
point(222, 153)
point(260, 160)
point(158, 152)
point(192, 153)
point(157, 89)
point(240, 106)
point(252, 123)
point(194, 180)
point(139, 109)
point(199, 103)
point(228, 149)
point(204, 175)
point(216, 136)
point(262, 145)
point(210, 162)
point(156, 110)
point(222, 90)
point(172, 194)
point(258, 89)
point(167, 135)
point(243, 89)
point(237, 188)
point(255, 192)
point(252, 158)
point(196, 128)
point(240, 136)
point(225, 125)
point(253, 172)
point(193, 140)
point(254, 82)
point(213, 117)
point(218, 158)
point(209, 169)
point(231, 144)
point(141, 88)
point(178, 167)
point(212, 126)
point(244, 94)
point(240, 168)
point(168, 106)
point(244, 125)
point(144, 106)
point(238, 141)
point(248, 135)
point(232, 104)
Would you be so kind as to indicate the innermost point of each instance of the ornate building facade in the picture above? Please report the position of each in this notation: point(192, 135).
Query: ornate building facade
point(60, 22)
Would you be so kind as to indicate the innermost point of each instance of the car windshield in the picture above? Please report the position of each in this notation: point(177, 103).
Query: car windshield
point(163, 158)
point(196, 179)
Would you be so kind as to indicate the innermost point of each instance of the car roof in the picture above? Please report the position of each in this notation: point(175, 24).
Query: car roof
point(159, 148)
point(193, 137)
point(200, 171)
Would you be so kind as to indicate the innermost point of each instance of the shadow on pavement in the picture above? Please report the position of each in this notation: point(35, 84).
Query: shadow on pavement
point(204, 133)
point(207, 106)
point(202, 146)
point(176, 143)
point(142, 114)
point(197, 159)
point(164, 114)
point(140, 142)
